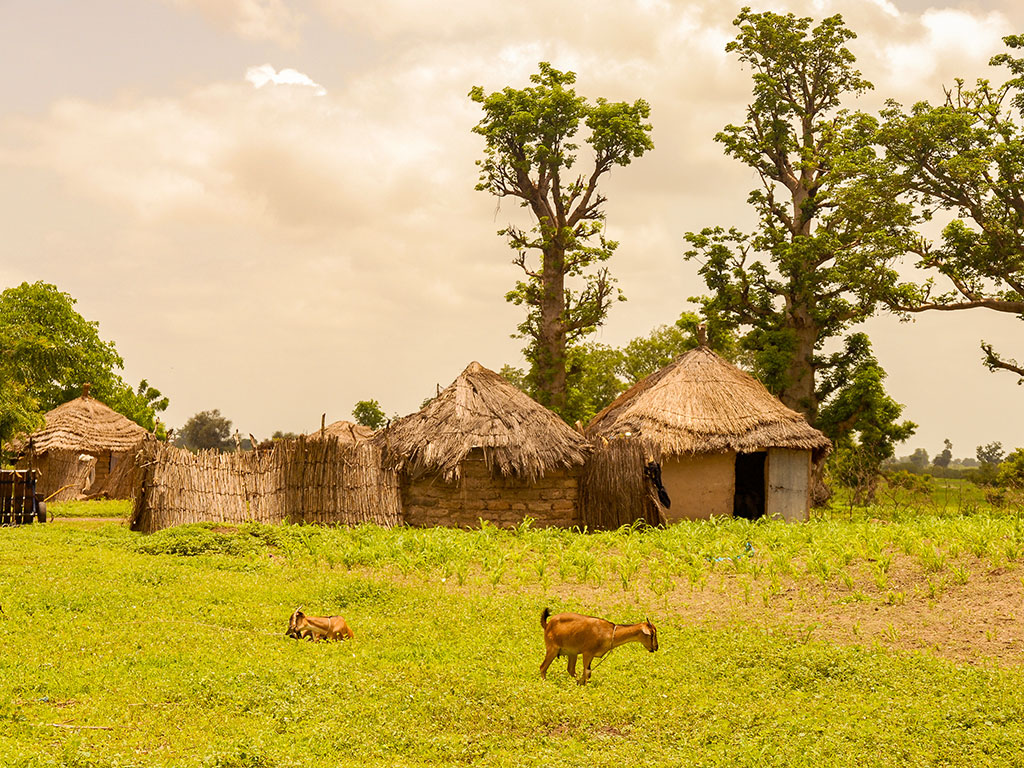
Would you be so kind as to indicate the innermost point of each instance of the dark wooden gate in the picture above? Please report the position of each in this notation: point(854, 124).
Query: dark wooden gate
point(18, 503)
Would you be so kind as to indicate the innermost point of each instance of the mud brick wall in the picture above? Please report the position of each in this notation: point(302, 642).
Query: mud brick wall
point(551, 501)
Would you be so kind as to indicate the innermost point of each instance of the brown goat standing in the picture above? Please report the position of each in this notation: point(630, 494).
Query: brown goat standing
point(316, 627)
point(570, 634)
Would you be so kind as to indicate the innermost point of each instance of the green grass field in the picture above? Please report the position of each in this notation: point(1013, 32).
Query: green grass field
point(169, 649)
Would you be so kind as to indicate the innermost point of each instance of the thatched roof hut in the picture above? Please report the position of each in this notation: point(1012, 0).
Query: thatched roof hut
point(74, 432)
point(714, 426)
point(88, 426)
point(484, 449)
point(347, 432)
point(518, 437)
point(701, 403)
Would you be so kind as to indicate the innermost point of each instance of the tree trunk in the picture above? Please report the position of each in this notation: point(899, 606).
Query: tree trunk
point(551, 341)
point(799, 392)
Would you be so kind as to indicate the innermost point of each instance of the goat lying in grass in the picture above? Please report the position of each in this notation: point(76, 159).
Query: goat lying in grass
point(317, 627)
point(570, 634)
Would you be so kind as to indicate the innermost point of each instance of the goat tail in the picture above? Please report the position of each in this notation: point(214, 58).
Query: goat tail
point(544, 618)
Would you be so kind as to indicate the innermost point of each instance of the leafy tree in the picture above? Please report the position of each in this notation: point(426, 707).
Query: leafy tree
point(141, 406)
point(207, 430)
point(593, 380)
point(945, 456)
point(529, 154)
point(966, 157)
point(919, 458)
point(48, 351)
point(830, 226)
point(369, 414)
point(1011, 470)
point(992, 453)
point(19, 411)
point(859, 417)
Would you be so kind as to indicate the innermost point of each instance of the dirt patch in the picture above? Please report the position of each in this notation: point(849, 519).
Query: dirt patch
point(975, 616)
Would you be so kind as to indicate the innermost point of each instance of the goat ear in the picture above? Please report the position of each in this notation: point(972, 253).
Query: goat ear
point(646, 629)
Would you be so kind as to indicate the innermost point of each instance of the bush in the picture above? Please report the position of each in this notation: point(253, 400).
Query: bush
point(911, 481)
point(192, 540)
point(1011, 471)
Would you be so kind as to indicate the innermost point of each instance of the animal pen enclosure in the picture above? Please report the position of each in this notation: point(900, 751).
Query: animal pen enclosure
point(296, 481)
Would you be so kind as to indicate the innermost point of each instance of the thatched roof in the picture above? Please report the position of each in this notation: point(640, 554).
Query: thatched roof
point(85, 424)
point(701, 403)
point(347, 432)
point(518, 436)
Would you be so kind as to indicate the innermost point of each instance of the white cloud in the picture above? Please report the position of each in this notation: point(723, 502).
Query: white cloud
point(939, 40)
point(265, 73)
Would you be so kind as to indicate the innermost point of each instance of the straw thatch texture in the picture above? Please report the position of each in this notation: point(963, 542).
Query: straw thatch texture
point(345, 431)
point(88, 426)
point(63, 475)
point(701, 403)
point(518, 436)
point(613, 489)
point(296, 481)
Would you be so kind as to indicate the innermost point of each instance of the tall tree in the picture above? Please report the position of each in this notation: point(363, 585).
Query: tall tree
point(829, 227)
point(529, 154)
point(966, 157)
point(945, 456)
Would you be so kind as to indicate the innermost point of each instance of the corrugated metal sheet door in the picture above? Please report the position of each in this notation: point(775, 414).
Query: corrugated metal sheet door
point(788, 477)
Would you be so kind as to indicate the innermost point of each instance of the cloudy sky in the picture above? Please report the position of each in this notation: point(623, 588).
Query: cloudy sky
point(268, 205)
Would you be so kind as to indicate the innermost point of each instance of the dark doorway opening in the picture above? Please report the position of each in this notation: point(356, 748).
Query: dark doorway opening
point(749, 500)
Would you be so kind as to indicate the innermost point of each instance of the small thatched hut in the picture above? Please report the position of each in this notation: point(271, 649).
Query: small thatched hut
point(483, 450)
point(727, 446)
point(81, 443)
point(347, 432)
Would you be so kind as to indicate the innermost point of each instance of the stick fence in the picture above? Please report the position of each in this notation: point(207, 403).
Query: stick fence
point(296, 481)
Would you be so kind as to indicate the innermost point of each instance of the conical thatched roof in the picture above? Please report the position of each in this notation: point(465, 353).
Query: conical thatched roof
point(701, 403)
point(85, 424)
point(347, 432)
point(480, 409)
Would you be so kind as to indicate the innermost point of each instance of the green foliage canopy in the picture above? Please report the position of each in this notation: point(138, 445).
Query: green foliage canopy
point(369, 414)
point(207, 430)
point(966, 157)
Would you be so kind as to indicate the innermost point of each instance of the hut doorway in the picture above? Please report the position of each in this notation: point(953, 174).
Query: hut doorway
point(749, 501)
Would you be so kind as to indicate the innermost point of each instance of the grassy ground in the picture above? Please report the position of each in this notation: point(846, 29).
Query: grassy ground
point(168, 650)
point(94, 508)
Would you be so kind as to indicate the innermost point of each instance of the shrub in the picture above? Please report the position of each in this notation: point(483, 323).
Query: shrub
point(192, 540)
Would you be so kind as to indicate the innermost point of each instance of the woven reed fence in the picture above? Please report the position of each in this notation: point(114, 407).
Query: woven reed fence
point(123, 478)
point(296, 481)
point(613, 489)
